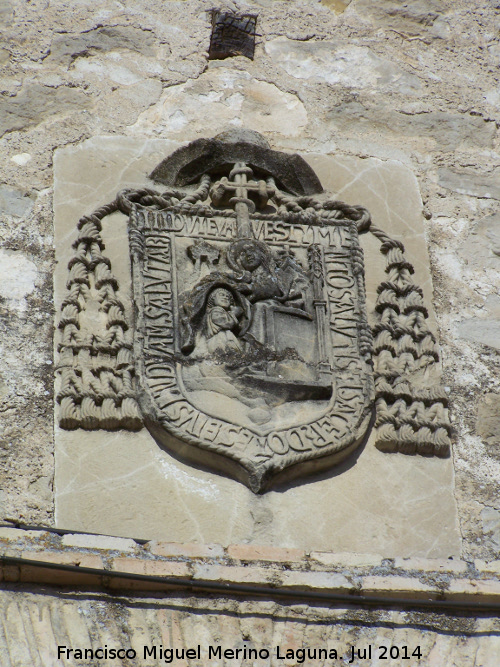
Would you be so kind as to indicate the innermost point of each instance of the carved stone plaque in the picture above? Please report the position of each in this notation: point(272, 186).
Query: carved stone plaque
point(153, 487)
point(249, 351)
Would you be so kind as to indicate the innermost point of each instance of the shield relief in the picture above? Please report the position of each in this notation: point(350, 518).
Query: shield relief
point(250, 349)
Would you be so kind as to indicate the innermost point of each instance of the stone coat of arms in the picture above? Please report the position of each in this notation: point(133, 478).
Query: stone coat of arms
point(249, 349)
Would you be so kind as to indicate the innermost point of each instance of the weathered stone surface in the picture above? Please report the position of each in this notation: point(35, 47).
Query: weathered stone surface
point(126, 103)
point(406, 16)
point(14, 202)
point(337, 5)
point(484, 330)
point(492, 567)
point(36, 623)
point(470, 184)
point(369, 182)
point(21, 159)
point(488, 422)
point(251, 553)
point(6, 12)
point(26, 466)
point(102, 542)
point(67, 48)
point(19, 275)
point(227, 96)
point(330, 559)
point(36, 103)
point(491, 524)
point(335, 63)
point(431, 565)
point(112, 468)
point(424, 130)
point(482, 246)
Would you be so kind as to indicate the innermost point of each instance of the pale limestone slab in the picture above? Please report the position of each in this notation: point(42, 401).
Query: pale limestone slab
point(98, 542)
point(124, 484)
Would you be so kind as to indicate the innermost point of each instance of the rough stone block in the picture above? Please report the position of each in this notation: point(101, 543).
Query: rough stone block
point(65, 558)
point(156, 568)
point(488, 421)
point(431, 565)
point(321, 581)
point(487, 590)
point(98, 542)
point(176, 550)
point(11, 534)
point(491, 567)
point(234, 573)
point(250, 552)
point(467, 183)
point(346, 560)
point(35, 103)
point(392, 586)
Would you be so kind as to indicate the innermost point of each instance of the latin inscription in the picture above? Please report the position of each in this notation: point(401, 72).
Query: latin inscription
point(341, 288)
point(334, 234)
point(158, 308)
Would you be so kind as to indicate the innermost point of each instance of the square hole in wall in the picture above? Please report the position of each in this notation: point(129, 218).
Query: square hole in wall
point(232, 35)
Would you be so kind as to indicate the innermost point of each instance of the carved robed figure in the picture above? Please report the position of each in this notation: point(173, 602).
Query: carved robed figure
point(250, 351)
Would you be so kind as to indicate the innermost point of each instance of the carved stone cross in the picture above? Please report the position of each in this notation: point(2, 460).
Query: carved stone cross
point(237, 193)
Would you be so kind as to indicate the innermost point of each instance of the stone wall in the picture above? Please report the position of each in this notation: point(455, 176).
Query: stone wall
point(36, 622)
point(414, 82)
point(157, 607)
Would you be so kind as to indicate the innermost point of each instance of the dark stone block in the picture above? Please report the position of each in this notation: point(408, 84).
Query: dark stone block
point(187, 164)
point(232, 35)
